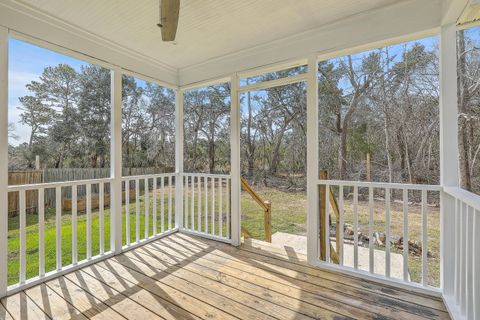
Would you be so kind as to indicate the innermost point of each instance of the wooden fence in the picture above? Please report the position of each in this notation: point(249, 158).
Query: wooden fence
point(67, 174)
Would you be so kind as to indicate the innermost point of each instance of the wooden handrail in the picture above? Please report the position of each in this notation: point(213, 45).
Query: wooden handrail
point(265, 205)
point(323, 229)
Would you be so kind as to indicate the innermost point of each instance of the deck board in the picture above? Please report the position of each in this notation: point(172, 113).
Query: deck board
point(187, 277)
point(352, 300)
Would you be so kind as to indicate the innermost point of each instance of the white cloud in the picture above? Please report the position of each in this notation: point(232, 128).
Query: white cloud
point(22, 131)
point(18, 80)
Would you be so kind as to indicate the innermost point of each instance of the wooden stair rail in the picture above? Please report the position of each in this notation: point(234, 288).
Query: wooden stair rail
point(333, 202)
point(267, 210)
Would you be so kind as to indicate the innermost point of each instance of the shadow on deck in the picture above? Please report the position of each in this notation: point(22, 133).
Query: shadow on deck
point(187, 277)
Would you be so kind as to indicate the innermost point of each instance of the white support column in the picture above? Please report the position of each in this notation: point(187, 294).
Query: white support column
point(3, 160)
point(448, 151)
point(179, 158)
point(313, 230)
point(235, 160)
point(116, 162)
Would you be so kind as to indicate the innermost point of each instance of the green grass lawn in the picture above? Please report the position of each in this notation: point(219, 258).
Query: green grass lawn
point(32, 263)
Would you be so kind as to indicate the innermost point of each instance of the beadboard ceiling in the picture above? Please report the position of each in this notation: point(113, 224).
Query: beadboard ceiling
point(207, 28)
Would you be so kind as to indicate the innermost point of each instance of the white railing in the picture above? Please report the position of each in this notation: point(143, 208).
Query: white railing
point(364, 257)
point(153, 199)
point(57, 266)
point(206, 205)
point(153, 202)
point(466, 278)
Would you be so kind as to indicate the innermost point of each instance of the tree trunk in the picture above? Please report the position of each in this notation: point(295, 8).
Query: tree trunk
point(250, 143)
point(463, 99)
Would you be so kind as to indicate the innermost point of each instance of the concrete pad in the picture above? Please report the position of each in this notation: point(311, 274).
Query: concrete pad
point(299, 244)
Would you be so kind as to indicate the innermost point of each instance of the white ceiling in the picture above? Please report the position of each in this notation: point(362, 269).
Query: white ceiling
point(207, 28)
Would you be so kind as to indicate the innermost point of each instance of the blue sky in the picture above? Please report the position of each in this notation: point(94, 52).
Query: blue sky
point(27, 62)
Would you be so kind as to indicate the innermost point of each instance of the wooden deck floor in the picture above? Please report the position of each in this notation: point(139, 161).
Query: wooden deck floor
point(186, 277)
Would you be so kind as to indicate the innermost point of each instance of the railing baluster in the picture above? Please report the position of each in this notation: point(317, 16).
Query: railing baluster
point(469, 267)
point(101, 206)
point(355, 227)
point(424, 238)
point(341, 207)
point(127, 211)
point(74, 225)
point(387, 232)
point(463, 277)
point(192, 206)
point(23, 236)
point(185, 219)
point(228, 208)
point(154, 208)
point(458, 227)
point(476, 261)
point(206, 204)
point(170, 202)
point(199, 205)
point(58, 226)
point(220, 207)
point(147, 206)
point(327, 223)
point(213, 206)
point(137, 210)
point(162, 204)
point(371, 244)
point(405, 234)
point(89, 220)
point(41, 232)
point(462, 257)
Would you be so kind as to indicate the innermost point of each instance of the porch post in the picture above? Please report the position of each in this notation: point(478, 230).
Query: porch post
point(116, 162)
point(312, 161)
point(235, 160)
point(179, 158)
point(3, 160)
point(448, 151)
